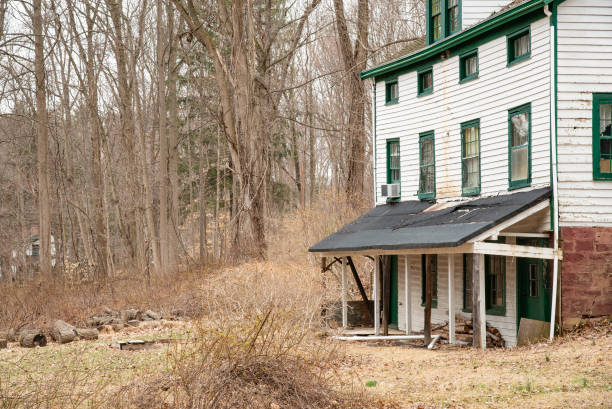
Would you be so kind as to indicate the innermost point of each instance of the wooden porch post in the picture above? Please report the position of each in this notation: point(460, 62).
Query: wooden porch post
point(344, 301)
point(428, 296)
point(407, 301)
point(451, 300)
point(376, 294)
point(386, 293)
point(478, 302)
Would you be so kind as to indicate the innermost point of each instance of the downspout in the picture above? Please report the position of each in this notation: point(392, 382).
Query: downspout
point(553, 153)
point(374, 170)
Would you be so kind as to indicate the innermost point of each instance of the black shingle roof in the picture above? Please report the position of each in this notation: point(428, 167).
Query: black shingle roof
point(406, 225)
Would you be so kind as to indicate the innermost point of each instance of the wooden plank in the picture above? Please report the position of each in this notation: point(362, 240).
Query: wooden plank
point(428, 297)
point(534, 235)
point(344, 295)
point(479, 339)
point(376, 294)
point(514, 250)
point(407, 300)
point(451, 299)
point(464, 248)
point(513, 220)
point(364, 296)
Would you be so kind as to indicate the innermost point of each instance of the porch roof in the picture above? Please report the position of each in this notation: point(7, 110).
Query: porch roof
point(418, 225)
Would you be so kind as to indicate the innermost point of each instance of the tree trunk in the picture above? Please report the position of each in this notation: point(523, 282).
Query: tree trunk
point(42, 136)
point(163, 140)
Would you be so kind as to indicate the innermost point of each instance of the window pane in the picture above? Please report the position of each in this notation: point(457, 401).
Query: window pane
point(533, 280)
point(426, 182)
point(605, 119)
point(394, 91)
point(435, 7)
point(520, 129)
point(521, 45)
point(453, 16)
point(605, 159)
point(497, 272)
point(470, 65)
point(437, 27)
point(427, 80)
point(427, 156)
point(519, 163)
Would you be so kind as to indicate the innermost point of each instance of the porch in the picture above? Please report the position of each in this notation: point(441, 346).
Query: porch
point(454, 245)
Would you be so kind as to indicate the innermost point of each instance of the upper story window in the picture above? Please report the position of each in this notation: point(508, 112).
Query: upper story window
point(519, 149)
point(427, 166)
point(391, 91)
point(519, 45)
point(443, 19)
point(425, 81)
point(470, 158)
point(468, 66)
point(602, 136)
point(393, 161)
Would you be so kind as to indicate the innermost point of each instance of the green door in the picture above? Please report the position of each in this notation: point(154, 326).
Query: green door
point(393, 300)
point(534, 285)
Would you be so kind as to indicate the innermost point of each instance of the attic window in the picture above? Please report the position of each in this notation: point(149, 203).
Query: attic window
point(519, 46)
point(468, 66)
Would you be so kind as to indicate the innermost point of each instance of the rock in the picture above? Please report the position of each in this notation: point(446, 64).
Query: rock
point(118, 326)
point(101, 320)
point(3, 343)
point(63, 332)
point(133, 323)
point(87, 333)
point(152, 315)
point(30, 338)
point(129, 314)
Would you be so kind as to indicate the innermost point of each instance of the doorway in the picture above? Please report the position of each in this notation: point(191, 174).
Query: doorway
point(534, 285)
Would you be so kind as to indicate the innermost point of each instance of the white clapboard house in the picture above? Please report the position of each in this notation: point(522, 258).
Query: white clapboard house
point(493, 168)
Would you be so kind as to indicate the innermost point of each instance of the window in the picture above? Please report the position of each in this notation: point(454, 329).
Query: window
point(444, 19)
point(519, 150)
point(391, 92)
point(470, 158)
point(434, 274)
point(436, 20)
point(427, 168)
point(602, 137)
point(453, 17)
point(495, 284)
point(519, 46)
point(468, 66)
point(534, 287)
point(393, 161)
point(425, 79)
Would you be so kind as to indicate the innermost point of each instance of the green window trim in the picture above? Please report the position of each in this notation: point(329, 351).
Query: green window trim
point(423, 138)
point(519, 183)
point(490, 309)
point(421, 86)
point(463, 76)
point(391, 87)
point(510, 38)
point(393, 164)
point(602, 159)
point(443, 19)
point(434, 295)
point(470, 145)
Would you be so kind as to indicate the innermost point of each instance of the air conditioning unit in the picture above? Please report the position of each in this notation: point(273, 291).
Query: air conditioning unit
point(391, 191)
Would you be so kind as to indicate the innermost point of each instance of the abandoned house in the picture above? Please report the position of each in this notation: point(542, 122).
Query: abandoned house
point(492, 155)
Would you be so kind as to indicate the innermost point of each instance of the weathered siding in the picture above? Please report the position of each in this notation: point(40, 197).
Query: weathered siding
point(505, 324)
point(475, 10)
point(584, 38)
point(489, 97)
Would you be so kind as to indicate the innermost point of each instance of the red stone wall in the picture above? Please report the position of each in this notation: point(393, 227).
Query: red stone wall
point(586, 272)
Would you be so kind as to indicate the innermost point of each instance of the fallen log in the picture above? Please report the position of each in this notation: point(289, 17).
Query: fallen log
point(31, 338)
point(87, 333)
point(63, 332)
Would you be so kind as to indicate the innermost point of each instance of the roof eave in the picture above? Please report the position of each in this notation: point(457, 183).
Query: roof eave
point(455, 40)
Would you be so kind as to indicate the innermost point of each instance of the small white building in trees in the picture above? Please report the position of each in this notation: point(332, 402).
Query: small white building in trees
point(493, 169)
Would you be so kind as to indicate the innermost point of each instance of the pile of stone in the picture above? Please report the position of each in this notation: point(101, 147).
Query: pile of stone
point(118, 320)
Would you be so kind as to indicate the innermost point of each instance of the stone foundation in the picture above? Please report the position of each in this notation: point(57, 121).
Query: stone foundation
point(586, 272)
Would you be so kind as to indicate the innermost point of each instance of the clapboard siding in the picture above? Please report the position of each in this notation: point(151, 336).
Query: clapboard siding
point(475, 10)
point(488, 98)
point(584, 67)
point(505, 324)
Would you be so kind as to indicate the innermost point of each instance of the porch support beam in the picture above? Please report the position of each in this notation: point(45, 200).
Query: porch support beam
point(407, 301)
point(513, 250)
point(479, 321)
point(451, 299)
point(376, 295)
point(344, 295)
point(513, 220)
